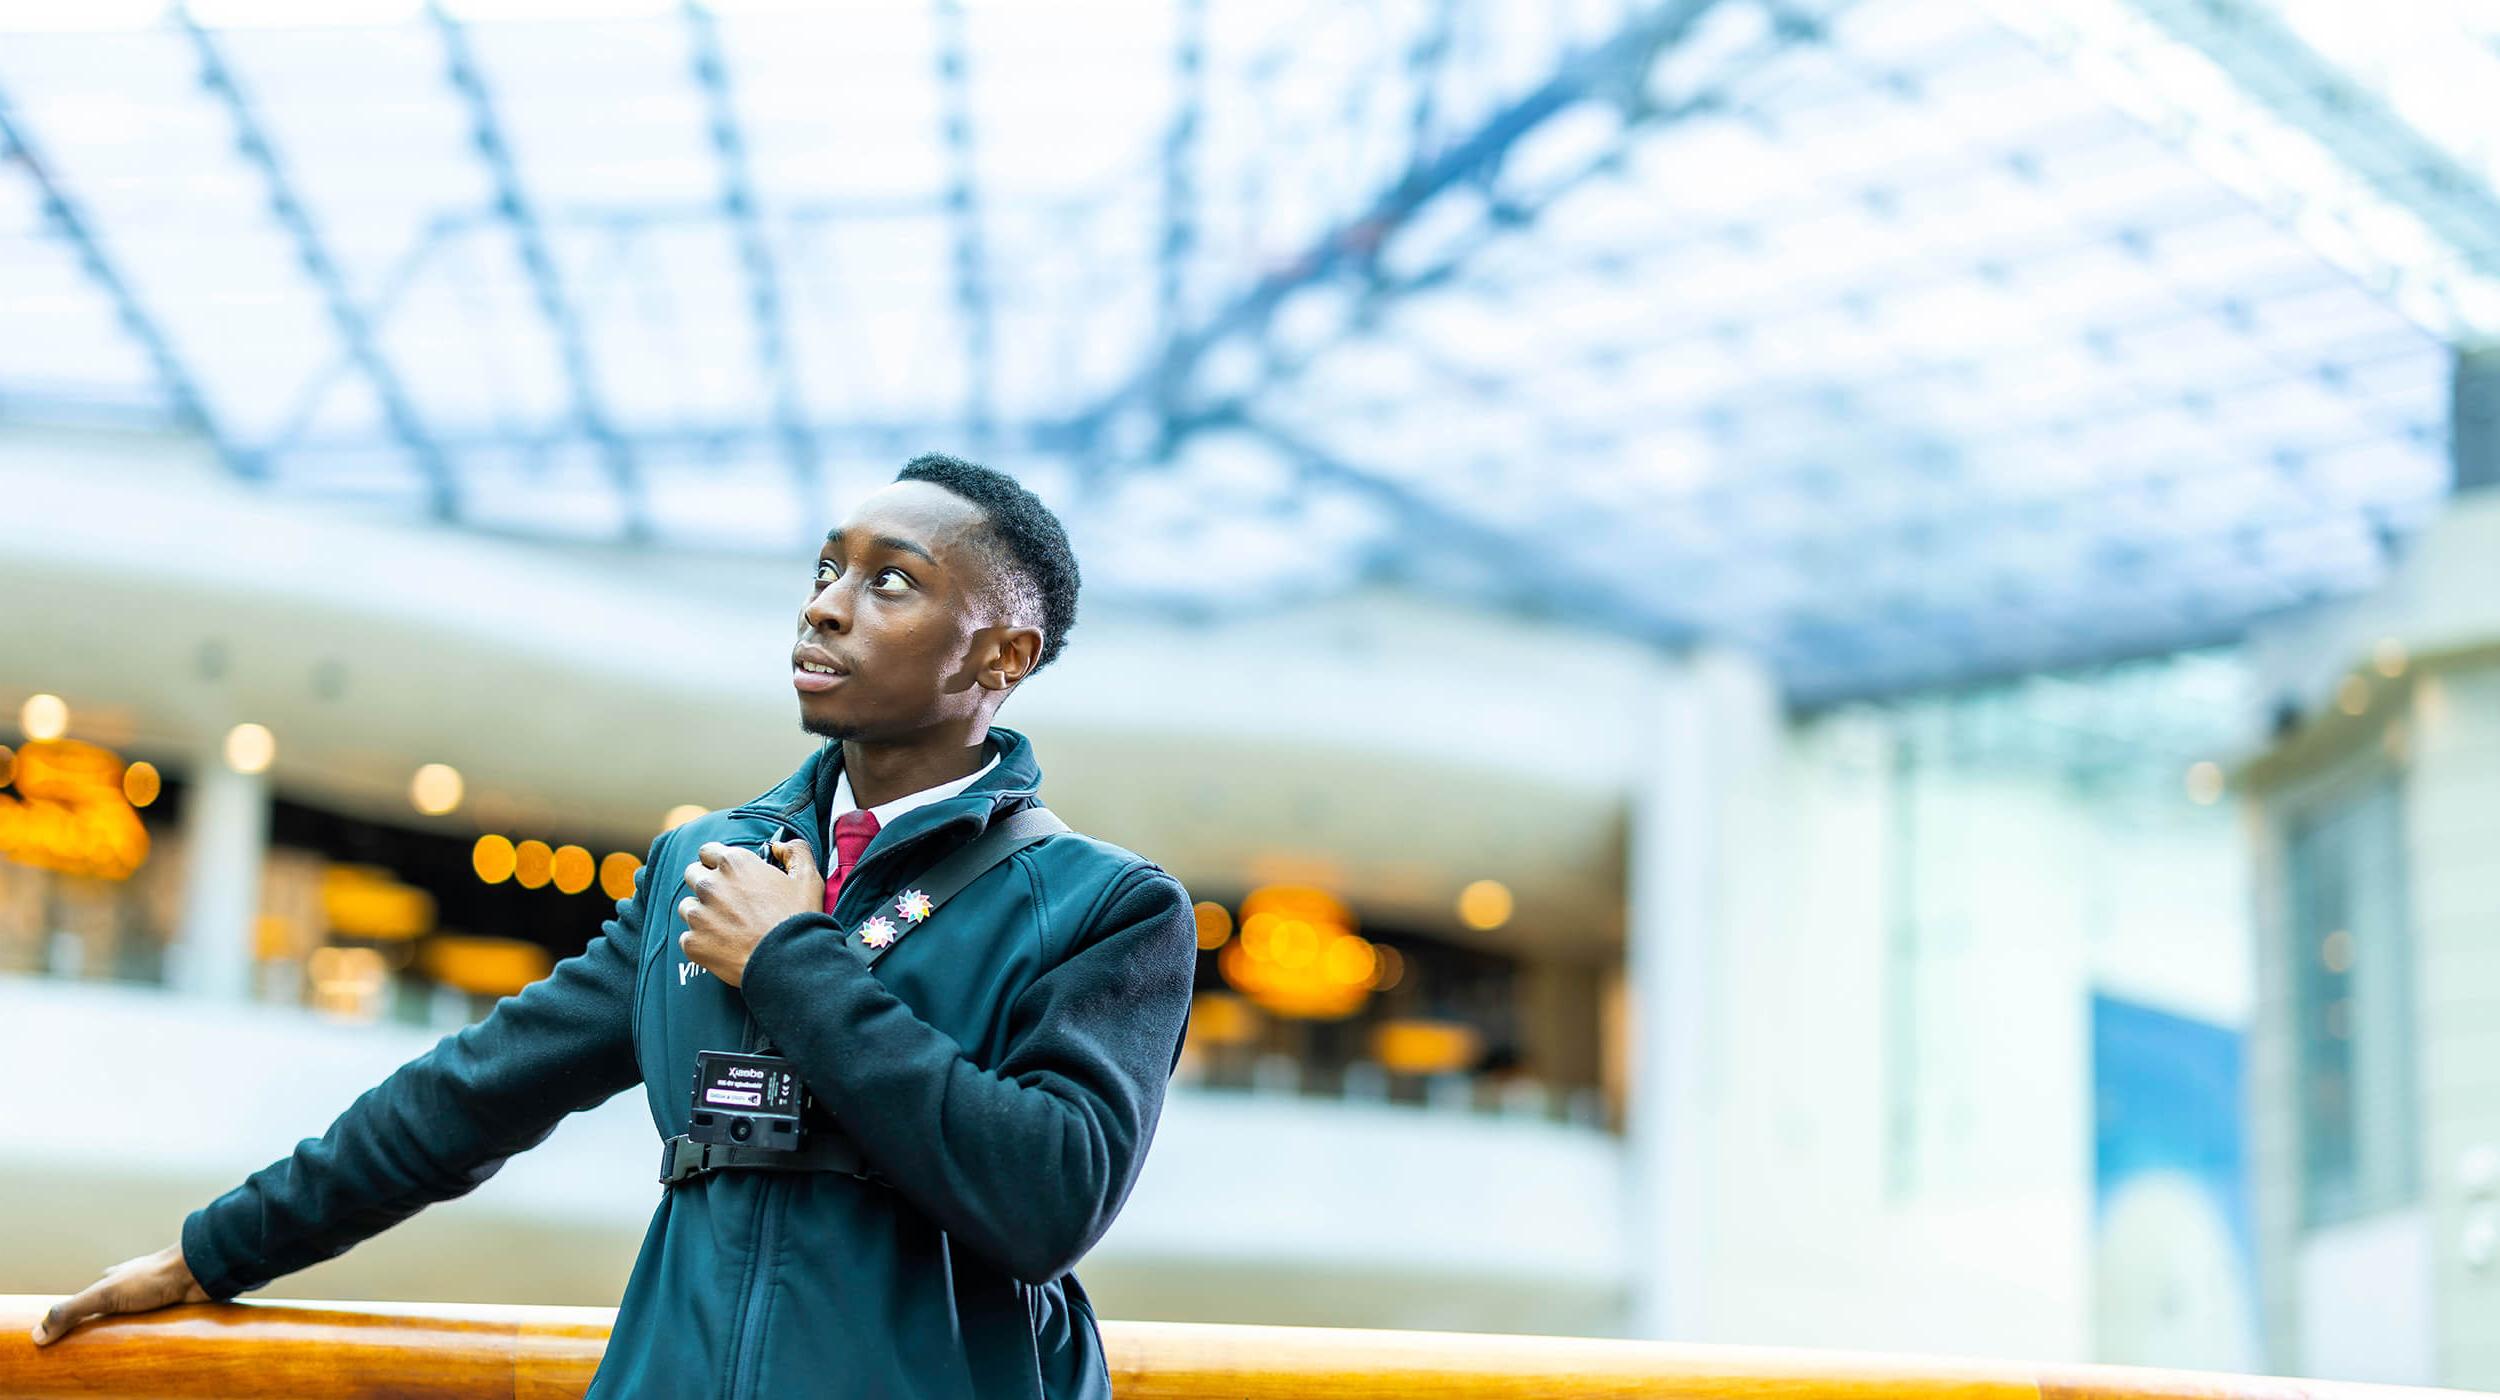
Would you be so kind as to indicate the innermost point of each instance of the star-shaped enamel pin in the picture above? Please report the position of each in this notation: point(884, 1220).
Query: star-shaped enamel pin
point(877, 932)
point(913, 906)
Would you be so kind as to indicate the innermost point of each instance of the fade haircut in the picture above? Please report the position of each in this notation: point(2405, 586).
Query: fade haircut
point(1028, 548)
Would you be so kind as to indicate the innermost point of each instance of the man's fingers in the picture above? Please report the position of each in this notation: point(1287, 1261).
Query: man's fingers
point(711, 853)
point(71, 1311)
point(134, 1285)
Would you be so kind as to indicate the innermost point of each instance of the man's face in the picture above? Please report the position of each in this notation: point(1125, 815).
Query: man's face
point(896, 606)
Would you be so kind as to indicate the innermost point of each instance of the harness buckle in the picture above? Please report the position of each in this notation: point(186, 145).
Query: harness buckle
point(682, 1158)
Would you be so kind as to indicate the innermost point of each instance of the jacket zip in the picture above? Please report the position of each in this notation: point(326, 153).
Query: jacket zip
point(750, 1332)
point(749, 1329)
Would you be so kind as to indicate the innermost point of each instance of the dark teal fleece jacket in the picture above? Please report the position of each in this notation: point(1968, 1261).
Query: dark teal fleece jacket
point(1001, 1069)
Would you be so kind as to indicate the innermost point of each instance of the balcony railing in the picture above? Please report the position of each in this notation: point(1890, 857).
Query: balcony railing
point(471, 1352)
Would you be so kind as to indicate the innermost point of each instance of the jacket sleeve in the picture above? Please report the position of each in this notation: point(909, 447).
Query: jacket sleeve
point(1026, 1161)
point(439, 1125)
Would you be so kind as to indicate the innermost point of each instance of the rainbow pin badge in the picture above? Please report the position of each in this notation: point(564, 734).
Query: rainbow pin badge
point(913, 906)
point(877, 932)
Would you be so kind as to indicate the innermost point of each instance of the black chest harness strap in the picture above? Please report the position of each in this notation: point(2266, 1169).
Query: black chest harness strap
point(683, 1159)
point(827, 1149)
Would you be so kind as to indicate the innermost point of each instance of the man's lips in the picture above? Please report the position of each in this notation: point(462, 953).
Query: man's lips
point(806, 679)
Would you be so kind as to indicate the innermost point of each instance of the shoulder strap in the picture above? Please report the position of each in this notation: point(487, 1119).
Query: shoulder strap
point(949, 877)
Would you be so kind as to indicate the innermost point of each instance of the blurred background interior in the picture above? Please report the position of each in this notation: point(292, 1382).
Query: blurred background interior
point(1830, 671)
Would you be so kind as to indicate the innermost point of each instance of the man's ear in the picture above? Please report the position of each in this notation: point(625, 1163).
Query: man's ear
point(1012, 654)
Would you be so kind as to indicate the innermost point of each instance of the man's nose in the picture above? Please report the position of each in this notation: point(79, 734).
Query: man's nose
point(829, 609)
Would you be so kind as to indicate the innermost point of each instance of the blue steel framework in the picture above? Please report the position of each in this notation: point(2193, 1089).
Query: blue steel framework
point(354, 331)
point(1494, 308)
point(515, 205)
point(2269, 60)
point(61, 219)
point(755, 257)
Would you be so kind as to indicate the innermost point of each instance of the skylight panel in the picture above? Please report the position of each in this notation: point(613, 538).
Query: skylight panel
point(562, 491)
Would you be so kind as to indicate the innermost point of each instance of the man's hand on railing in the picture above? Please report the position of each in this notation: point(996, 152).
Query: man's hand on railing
point(150, 1281)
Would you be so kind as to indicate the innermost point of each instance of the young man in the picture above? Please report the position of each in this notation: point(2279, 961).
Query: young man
point(990, 1070)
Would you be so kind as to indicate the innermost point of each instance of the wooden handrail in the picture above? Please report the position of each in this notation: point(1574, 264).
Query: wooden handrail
point(476, 1351)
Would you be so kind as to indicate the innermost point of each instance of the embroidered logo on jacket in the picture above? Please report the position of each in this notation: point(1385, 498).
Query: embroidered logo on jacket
point(691, 969)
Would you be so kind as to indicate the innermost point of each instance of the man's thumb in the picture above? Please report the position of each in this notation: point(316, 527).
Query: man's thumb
point(795, 855)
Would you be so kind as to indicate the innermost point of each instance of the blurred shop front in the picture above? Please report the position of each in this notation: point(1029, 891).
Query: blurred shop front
point(1291, 998)
point(356, 919)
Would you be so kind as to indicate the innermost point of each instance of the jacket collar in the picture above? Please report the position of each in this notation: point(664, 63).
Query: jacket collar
point(798, 801)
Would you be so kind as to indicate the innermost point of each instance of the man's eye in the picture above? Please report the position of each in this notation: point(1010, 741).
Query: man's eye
point(827, 570)
point(901, 584)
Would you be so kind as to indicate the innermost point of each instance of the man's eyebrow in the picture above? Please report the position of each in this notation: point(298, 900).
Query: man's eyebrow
point(892, 542)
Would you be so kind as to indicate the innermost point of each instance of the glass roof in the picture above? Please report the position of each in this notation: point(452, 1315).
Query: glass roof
point(1905, 341)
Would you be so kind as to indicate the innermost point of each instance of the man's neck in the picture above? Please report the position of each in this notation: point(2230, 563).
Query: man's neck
point(879, 773)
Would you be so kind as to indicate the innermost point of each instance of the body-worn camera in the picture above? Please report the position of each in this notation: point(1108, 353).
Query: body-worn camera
point(747, 1101)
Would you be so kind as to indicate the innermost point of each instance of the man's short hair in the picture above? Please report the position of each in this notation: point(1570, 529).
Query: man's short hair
point(1031, 549)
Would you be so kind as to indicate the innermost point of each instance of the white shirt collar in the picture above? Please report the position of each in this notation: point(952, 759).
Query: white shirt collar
point(887, 813)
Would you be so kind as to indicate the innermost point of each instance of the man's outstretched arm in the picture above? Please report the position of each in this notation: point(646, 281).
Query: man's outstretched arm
point(436, 1128)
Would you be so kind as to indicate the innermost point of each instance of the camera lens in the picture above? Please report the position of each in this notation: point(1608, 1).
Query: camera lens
point(740, 1130)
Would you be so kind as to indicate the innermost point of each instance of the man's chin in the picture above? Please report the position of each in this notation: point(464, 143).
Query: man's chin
point(826, 728)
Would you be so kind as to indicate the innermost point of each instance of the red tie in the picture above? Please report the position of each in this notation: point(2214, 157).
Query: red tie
point(852, 831)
